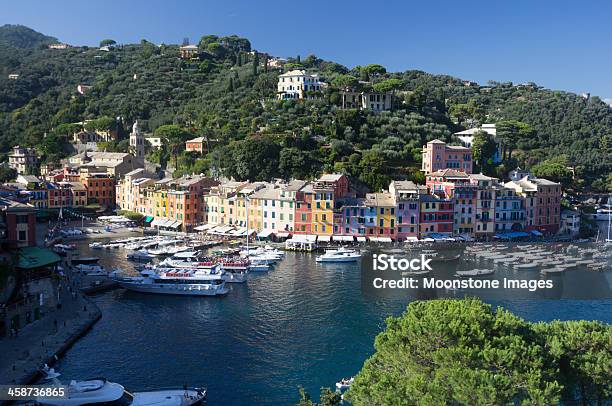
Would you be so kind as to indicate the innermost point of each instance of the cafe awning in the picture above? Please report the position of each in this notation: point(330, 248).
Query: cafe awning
point(264, 234)
point(36, 257)
point(324, 238)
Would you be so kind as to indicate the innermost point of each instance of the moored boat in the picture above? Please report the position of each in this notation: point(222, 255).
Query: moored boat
point(474, 273)
point(340, 255)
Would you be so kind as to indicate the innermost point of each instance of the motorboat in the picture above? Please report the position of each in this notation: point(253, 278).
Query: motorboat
point(340, 255)
point(140, 256)
point(169, 281)
point(85, 260)
point(96, 245)
point(474, 272)
point(344, 383)
point(90, 269)
point(101, 391)
point(259, 267)
point(65, 247)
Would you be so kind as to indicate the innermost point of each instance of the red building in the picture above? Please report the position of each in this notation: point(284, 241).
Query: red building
point(17, 225)
point(436, 215)
point(303, 210)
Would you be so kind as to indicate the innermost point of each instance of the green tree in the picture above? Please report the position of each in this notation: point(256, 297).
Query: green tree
point(7, 174)
point(583, 351)
point(173, 139)
point(389, 85)
point(373, 170)
point(327, 398)
point(458, 352)
point(345, 81)
point(373, 70)
point(107, 42)
point(510, 133)
point(555, 170)
point(483, 149)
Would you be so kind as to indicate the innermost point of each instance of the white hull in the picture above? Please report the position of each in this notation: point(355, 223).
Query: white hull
point(338, 259)
point(235, 277)
point(184, 290)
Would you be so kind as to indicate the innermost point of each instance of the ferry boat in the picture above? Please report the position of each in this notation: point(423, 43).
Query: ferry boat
point(340, 255)
point(100, 391)
point(170, 281)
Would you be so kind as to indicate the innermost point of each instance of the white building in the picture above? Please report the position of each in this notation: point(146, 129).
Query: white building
point(467, 138)
point(155, 142)
point(570, 223)
point(297, 84)
point(137, 142)
point(374, 101)
point(23, 160)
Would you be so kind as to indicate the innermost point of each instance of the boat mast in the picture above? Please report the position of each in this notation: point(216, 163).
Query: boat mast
point(609, 217)
point(246, 205)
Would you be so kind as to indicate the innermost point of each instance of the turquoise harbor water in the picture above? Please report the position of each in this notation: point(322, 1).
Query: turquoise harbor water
point(300, 324)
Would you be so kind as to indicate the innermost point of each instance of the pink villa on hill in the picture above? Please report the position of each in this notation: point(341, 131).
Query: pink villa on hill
point(437, 156)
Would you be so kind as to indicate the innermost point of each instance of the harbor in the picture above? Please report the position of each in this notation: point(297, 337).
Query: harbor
point(301, 322)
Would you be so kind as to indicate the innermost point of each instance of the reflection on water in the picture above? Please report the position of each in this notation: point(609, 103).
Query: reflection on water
point(302, 323)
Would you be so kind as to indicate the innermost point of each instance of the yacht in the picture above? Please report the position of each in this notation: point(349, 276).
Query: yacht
point(100, 391)
point(340, 255)
point(91, 270)
point(235, 269)
point(171, 281)
point(140, 256)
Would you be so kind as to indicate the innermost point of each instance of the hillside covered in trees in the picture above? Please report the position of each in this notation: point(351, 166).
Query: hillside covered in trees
point(228, 96)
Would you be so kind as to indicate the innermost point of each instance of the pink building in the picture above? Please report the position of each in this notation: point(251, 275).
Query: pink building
point(437, 156)
point(542, 203)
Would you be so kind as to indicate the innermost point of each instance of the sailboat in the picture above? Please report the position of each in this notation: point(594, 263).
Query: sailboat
point(609, 240)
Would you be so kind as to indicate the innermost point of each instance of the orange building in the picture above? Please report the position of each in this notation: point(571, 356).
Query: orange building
point(100, 189)
point(197, 145)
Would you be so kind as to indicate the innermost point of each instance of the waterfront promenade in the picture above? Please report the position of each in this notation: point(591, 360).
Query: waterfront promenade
point(41, 341)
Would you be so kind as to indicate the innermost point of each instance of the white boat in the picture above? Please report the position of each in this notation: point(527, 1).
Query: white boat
point(100, 391)
point(415, 273)
point(340, 255)
point(140, 256)
point(344, 383)
point(528, 266)
point(259, 267)
point(91, 270)
point(474, 272)
point(175, 282)
point(96, 245)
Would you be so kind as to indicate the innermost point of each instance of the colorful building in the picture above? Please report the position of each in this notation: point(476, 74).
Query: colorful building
point(385, 221)
point(17, 225)
point(437, 215)
point(509, 211)
point(100, 189)
point(486, 190)
point(407, 195)
point(542, 203)
point(303, 210)
point(437, 156)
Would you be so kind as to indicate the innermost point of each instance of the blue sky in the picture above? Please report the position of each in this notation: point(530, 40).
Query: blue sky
point(558, 44)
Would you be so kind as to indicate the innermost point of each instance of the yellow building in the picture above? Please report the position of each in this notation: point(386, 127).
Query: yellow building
point(323, 209)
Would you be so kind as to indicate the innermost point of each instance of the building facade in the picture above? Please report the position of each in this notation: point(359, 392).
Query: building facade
point(437, 156)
